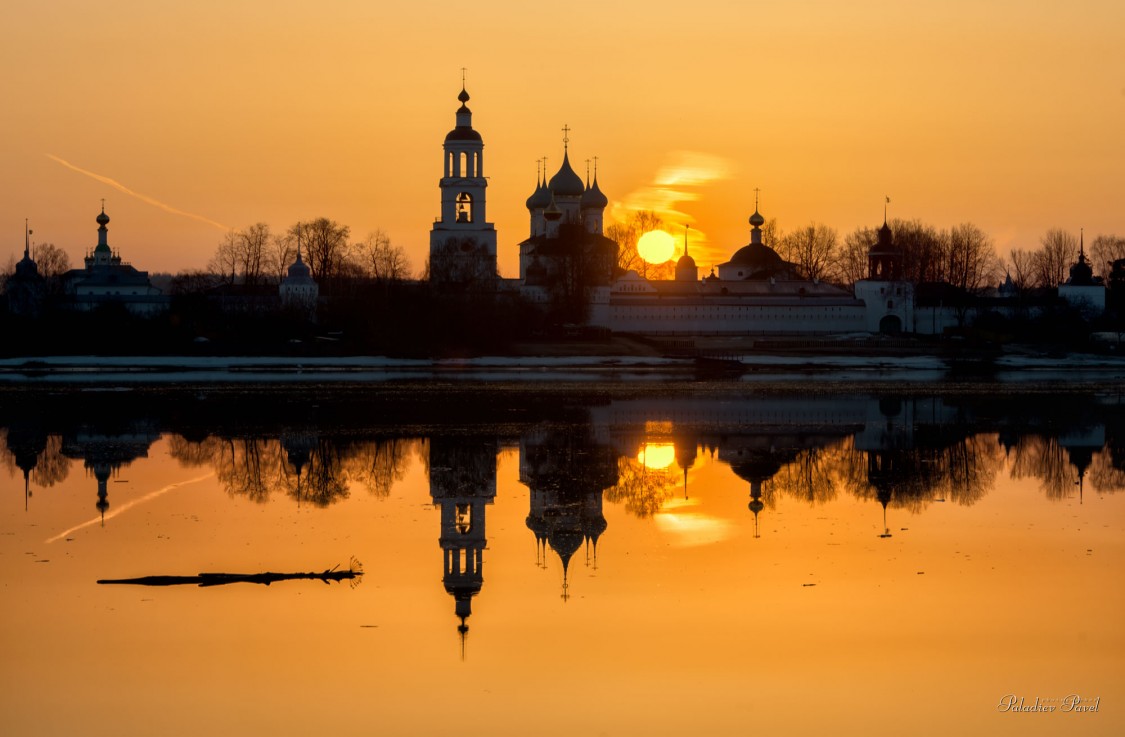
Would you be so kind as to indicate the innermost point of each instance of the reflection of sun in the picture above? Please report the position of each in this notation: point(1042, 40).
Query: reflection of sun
point(657, 455)
point(656, 246)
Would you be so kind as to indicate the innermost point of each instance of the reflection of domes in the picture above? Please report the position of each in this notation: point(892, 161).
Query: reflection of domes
point(566, 543)
point(566, 183)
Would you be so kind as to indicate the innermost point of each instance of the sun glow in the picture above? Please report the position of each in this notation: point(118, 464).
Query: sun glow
point(657, 455)
point(656, 246)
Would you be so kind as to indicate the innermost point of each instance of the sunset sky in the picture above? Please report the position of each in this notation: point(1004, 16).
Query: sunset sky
point(218, 115)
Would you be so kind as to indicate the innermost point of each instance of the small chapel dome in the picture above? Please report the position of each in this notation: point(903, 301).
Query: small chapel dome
point(103, 219)
point(756, 219)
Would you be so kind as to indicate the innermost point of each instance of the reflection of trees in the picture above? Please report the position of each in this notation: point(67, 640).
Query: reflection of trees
point(378, 464)
point(641, 489)
point(33, 452)
point(810, 477)
point(302, 465)
point(53, 466)
point(962, 471)
point(1044, 459)
point(1104, 476)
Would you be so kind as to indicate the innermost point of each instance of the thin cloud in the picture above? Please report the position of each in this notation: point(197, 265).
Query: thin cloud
point(676, 183)
point(143, 198)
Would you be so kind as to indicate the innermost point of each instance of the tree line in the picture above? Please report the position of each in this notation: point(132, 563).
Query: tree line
point(256, 255)
point(962, 255)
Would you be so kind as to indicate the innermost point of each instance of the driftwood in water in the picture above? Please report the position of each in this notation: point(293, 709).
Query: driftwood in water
point(220, 579)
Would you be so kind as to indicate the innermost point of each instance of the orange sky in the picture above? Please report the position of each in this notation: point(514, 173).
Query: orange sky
point(1005, 114)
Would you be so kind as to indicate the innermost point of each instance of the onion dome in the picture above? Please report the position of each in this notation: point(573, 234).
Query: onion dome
point(593, 199)
point(299, 270)
point(757, 257)
point(540, 198)
point(103, 219)
point(566, 183)
point(1081, 274)
point(464, 130)
point(711, 278)
point(756, 219)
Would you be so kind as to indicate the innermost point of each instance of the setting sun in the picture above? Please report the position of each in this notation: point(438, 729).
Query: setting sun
point(657, 455)
point(656, 246)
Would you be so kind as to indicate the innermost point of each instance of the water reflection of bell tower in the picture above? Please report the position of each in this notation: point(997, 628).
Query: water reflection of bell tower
point(462, 482)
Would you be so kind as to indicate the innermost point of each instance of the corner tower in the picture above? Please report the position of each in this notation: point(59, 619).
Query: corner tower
point(462, 242)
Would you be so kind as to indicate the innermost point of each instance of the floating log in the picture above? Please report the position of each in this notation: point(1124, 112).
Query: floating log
point(353, 572)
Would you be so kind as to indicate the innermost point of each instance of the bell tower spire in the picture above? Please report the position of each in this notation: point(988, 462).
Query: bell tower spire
point(462, 242)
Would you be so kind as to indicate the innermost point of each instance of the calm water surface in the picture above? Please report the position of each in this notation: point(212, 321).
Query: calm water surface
point(573, 562)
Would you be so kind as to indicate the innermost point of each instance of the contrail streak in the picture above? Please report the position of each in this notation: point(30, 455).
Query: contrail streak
point(128, 505)
point(143, 198)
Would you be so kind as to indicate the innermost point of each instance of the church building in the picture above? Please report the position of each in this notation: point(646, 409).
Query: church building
point(107, 279)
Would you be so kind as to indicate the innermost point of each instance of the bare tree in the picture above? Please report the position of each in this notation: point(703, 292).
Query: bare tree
point(252, 252)
point(851, 258)
point(225, 260)
point(281, 254)
point(381, 260)
point(1052, 261)
point(325, 246)
point(1022, 269)
point(51, 260)
point(971, 261)
point(813, 249)
point(626, 235)
point(1104, 250)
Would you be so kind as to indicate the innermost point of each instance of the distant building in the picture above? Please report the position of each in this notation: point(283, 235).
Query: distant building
point(1083, 290)
point(25, 289)
point(106, 279)
point(462, 242)
point(298, 290)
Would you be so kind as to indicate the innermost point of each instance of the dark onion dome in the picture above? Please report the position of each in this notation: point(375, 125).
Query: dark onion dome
point(756, 219)
point(27, 269)
point(540, 198)
point(464, 130)
point(686, 269)
point(566, 183)
point(711, 278)
point(299, 271)
point(592, 198)
point(757, 257)
point(103, 219)
point(462, 133)
point(1081, 274)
